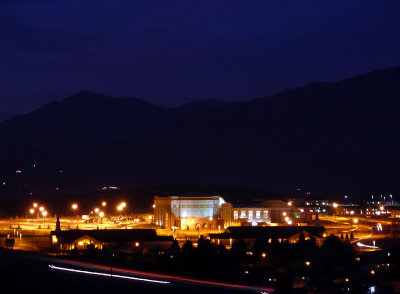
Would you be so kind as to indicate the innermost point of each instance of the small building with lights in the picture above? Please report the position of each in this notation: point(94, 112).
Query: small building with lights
point(271, 234)
point(118, 240)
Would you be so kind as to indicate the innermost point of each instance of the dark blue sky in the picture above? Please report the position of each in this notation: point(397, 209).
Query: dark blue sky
point(173, 52)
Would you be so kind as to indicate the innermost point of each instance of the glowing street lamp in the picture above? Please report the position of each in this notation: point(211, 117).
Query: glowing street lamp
point(101, 214)
point(123, 204)
point(44, 213)
point(96, 210)
point(335, 205)
point(74, 206)
point(120, 208)
point(355, 220)
point(35, 204)
point(154, 206)
point(104, 204)
point(31, 211)
point(41, 208)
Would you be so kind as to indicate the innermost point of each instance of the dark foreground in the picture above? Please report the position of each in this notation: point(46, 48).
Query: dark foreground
point(23, 272)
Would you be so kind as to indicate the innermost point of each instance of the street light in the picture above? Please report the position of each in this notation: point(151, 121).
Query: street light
point(32, 211)
point(74, 206)
point(35, 204)
point(41, 208)
point(104, 204)
point(96, 210)
point(123, 204)
point(44, 213)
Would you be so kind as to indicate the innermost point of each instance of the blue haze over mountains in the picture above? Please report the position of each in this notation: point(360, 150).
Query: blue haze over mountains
point(329, 138)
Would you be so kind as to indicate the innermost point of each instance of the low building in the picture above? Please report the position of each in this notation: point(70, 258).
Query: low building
point(395, 213)
point(119, 240)
point(289, 234)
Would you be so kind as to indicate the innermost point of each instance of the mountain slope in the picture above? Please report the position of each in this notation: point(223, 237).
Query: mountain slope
point(336, 138)
point(331, 138)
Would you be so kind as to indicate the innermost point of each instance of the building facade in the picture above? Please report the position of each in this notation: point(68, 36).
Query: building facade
point(212, 212)
point(188, 212)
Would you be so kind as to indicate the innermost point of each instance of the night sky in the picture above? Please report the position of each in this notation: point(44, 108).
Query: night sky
point(174, 52)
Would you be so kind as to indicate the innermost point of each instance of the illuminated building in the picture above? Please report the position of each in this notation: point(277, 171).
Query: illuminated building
point(212, 212)
point(188, 212)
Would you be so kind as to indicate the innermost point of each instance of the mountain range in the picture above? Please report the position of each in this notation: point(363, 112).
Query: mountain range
point(333, 139)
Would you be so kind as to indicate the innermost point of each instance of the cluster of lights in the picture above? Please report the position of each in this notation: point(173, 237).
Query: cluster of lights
point(121, 206)
point(42, 210)
point(75, 206)
point(287, 219)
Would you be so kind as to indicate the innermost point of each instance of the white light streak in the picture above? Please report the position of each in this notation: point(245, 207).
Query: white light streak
point(105, 275)
point(367, 246)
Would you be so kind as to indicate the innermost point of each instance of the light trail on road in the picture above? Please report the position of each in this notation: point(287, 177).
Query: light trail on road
point(105, 275)
point(168, 277)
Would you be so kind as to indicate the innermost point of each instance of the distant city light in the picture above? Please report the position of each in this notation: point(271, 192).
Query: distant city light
point(32, 211)
point(35, 205)
point(104, 203)
point(335, 205)
point(74, 206)
point(41, 208)
point(96, 210)
point(101, 214)
point(44, 213)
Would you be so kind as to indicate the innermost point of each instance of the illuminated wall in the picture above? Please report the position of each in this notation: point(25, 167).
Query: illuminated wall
point(186, 212)
point(253, 215)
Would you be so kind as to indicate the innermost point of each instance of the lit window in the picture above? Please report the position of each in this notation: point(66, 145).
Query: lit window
point(258, 214)
point(265, 213)
point(250, 214)
point(243, 214)
point(235, 215)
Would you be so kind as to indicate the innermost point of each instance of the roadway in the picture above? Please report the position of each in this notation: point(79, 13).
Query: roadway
point(86, 274)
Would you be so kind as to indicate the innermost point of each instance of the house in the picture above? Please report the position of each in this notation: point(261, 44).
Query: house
point(119, 240)
point(278, 233)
